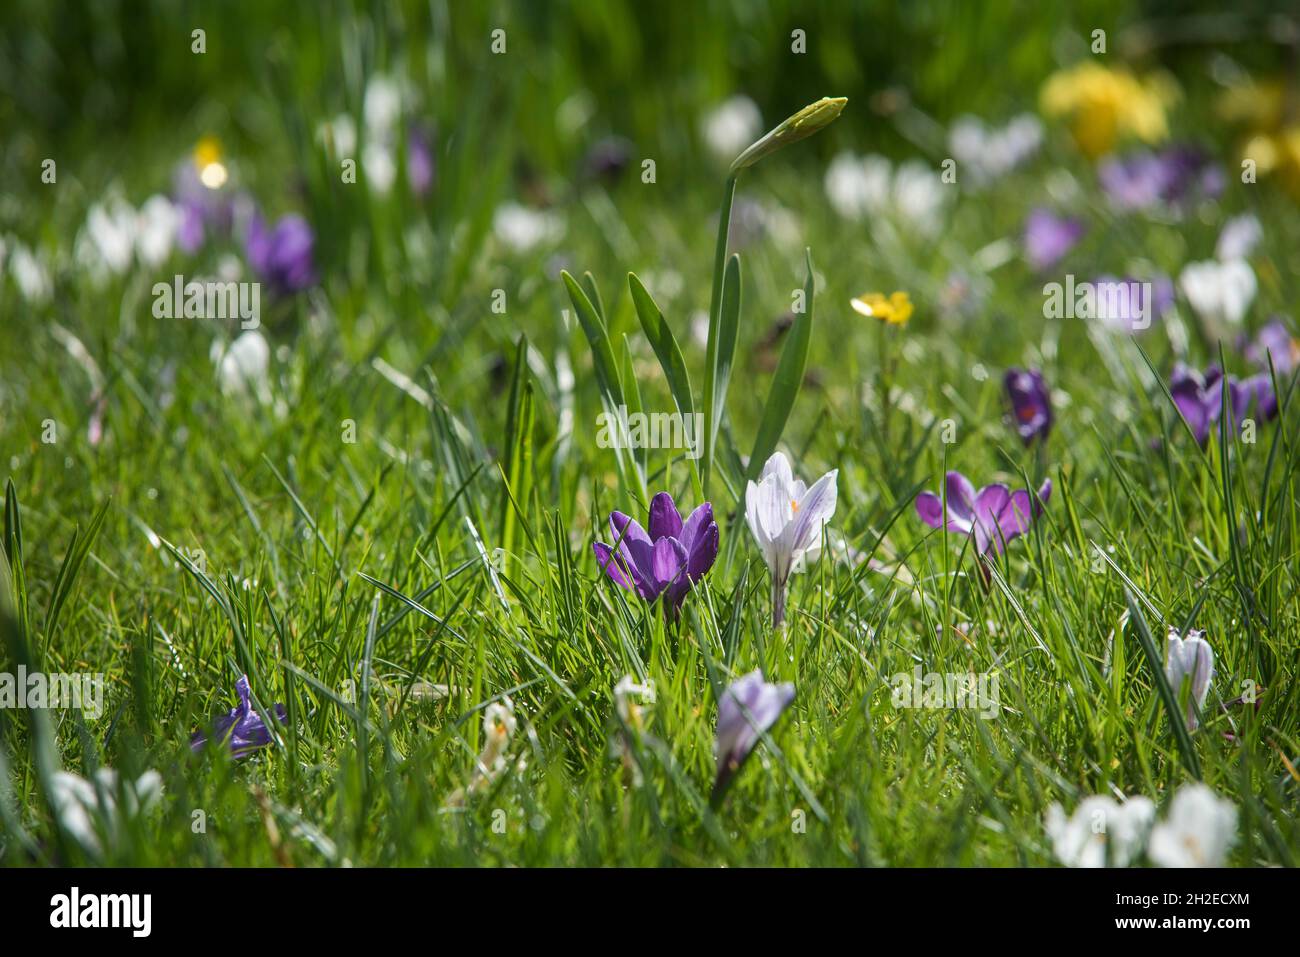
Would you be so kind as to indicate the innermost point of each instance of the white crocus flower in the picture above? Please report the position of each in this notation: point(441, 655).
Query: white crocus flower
point(1198, 831)
point(1101, 832)
point(787, 518)
point(732, 126)
point(1220, 293)
point(30, 273)
point(88, 810)
point(108, 240)
point(1189, 666)
point(1239, 237)
point(244, 366)
point(521, 228)
point(156, 227)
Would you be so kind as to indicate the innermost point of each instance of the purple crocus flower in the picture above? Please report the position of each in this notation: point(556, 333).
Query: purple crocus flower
point(1199, 398)
point(667, 561)
point(282, 255)
point(995, 514)
point(1030, 404)
point(749, 708)
point(607, 159)
point(1172, 178)
point(1276, 341)
point(203, 211)
point(243, 728)
point(1049, 237)
point(420, 163)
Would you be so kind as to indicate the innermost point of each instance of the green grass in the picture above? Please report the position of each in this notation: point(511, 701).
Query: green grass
point(344, 578)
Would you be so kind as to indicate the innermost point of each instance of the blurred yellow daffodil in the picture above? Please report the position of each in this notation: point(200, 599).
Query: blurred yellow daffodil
point(895, 310)
point(207, 160)
point(1272, 145)
point(1105, 105)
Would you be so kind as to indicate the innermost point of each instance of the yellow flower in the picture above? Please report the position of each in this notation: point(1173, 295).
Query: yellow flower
point(1273, 146)
point(895, 310)
point(207, 160)
point(1105, 105)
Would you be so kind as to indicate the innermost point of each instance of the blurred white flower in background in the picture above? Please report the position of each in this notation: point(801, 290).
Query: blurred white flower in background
point(30, 274)
point(521, 228)
point(156, 227)
point(338, 136)
point(1239, 237)
point(107, 241)
point(1198, 831)
point(1220, 293)
point(913, 196)
point(987, 153)
point(732, 126)
point(244, 366)
point(1101, 832)
point(383, 104)
point(88, 809)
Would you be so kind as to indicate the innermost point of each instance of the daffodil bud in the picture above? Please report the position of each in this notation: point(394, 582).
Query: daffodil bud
point(805, 123)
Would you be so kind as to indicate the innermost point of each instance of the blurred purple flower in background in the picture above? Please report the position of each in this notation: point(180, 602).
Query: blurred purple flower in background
point(204, 211)
point(995, 514)
point(282, 255)
point(749, 708)
point(1048, 237)
point(421, 167)
point(1199, 398)
point(1274, 340)
point(1031, 406)
point(607, 159)
point(243, 728)
point(667, 561)
point(1172, 179)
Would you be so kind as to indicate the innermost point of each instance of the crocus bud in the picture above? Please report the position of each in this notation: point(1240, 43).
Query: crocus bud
point(805, 123)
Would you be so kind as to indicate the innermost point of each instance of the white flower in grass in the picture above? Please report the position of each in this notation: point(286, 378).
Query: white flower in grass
point(625, 694)
point(383, 105)
point(244, 366)
point(1220, 293)
point(89, 811)
point(30, 273)
point(1239, 237)
point(731, 126)
point(521, 228)
point(1189, 666)
point(156, 227)
point(1198, 831)
point(108, 240)
point(1101, 832)
point(787, 519)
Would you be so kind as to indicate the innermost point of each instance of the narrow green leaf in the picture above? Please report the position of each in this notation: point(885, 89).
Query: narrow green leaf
point(602, 354)
point(664, 344)
point(1167, 694)
point(787, 381)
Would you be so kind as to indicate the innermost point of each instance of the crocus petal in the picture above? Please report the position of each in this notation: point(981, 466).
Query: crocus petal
point(961, 498)
point(930, 509)
point(634, 545)
point(738, 732)
point(696, 523)
point(778, 465)
point(704, 551)
point(612, 564)
point(669, 561)
point(665, 521)
point(814, 511)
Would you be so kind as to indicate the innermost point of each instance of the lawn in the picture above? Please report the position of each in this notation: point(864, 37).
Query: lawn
point(442, 253)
